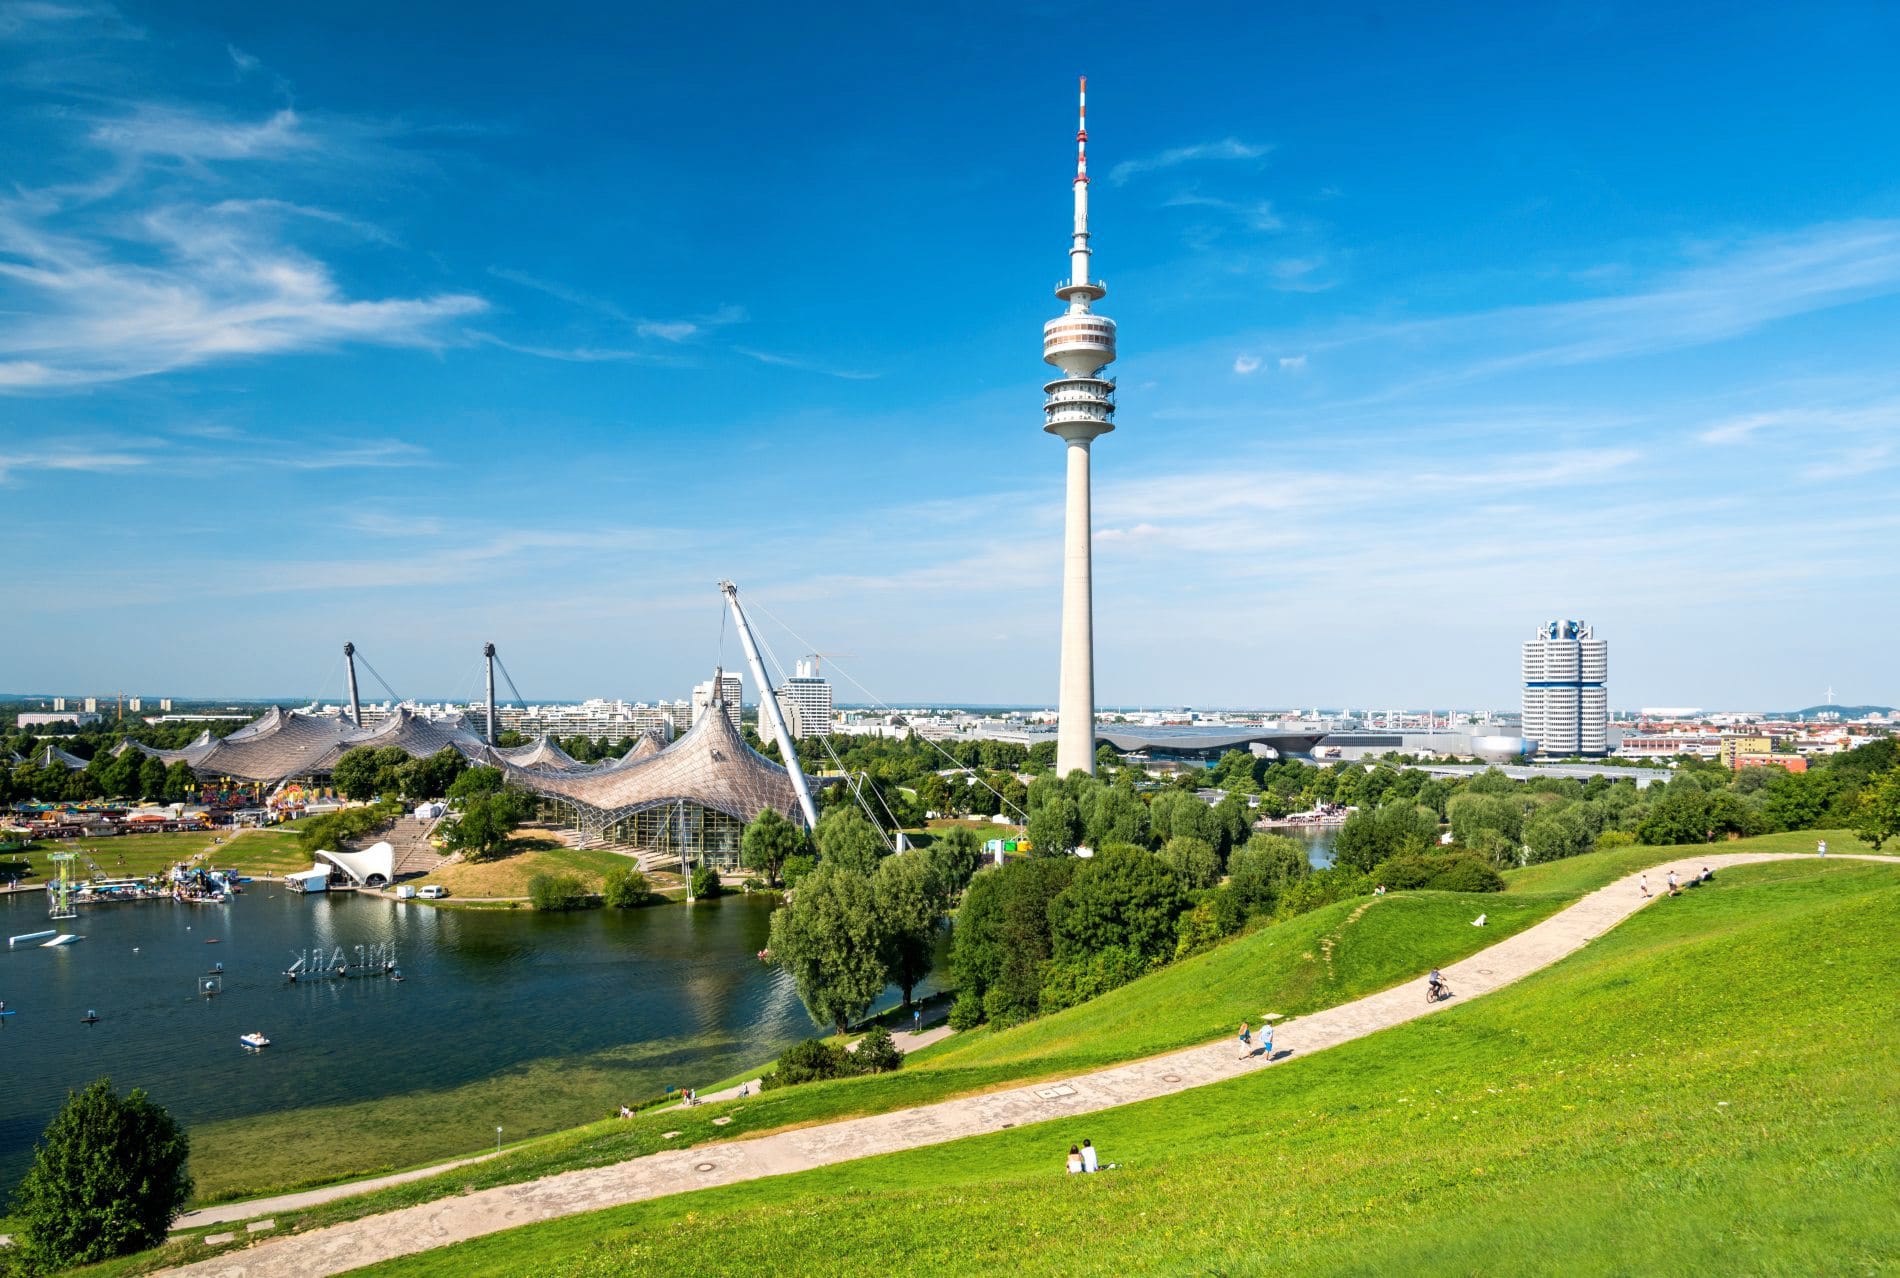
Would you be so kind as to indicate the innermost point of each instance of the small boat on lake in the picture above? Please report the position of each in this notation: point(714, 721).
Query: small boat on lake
point(90, 1018)
point(254, 1040)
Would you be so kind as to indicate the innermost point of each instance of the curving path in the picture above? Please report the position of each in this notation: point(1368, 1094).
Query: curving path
point(450, 1220)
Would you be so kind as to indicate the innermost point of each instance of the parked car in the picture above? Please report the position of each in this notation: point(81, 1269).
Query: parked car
point(432, 891)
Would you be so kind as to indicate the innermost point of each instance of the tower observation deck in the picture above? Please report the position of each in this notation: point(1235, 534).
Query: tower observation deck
point(1078, 407)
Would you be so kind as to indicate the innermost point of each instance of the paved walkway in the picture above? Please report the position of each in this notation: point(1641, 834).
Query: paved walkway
point(450, 1220)
point(903, 1040)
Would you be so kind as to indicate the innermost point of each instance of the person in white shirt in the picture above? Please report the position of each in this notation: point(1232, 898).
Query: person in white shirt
point(1088, 1157)
point(1075, 1161)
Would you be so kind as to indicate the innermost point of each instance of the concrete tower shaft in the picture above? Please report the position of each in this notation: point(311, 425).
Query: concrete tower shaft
point(1079, 407)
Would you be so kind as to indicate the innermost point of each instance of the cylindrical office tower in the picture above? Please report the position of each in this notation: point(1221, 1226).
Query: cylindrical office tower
point(1566, 690)
point(1078, 406)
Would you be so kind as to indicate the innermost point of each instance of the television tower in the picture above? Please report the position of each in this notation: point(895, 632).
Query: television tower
point(1077, 407)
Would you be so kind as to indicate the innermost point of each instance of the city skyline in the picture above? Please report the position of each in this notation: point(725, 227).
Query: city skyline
point(427, 337)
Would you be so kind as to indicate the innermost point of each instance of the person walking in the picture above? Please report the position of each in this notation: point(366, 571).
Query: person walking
point(917, 1021)
point(1643, 883)
point(1075, 1161)
point(1674, 890)
point(1266, 1039)
point(1246, 1042)
point(1820, 849)
point(1088, 1158)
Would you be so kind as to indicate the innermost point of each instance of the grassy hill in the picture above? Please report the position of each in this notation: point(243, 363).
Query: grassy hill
point(1708, 1089)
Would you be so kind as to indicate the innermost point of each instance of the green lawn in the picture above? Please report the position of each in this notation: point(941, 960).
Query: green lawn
point(271, 851)
point(1708, 1089)
point(1581, 874)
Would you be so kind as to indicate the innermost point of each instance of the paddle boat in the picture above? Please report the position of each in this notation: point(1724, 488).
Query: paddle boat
point(254, 1040)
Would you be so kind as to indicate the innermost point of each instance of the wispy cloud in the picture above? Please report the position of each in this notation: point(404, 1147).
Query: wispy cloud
point(1255, 215)
point(1245, 364)
point(1293, 363)
point(52, 20)
point(805, 366)
point(68, 458)
point(580, 354)
point(1225, 149)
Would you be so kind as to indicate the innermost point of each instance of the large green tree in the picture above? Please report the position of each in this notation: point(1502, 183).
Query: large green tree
point(1878, 817)
point(828, 936)
point(1122, 896)
point(109, 1177)
point(1261, 868)
point(768, 841)
point(487, 822)
point(909, 900)
point(847, 840)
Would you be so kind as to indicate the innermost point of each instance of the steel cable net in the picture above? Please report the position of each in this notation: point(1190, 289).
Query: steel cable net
point(282, 744)
point(710, 767)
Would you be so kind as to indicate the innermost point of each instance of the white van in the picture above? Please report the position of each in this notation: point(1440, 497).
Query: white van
point(432, 892)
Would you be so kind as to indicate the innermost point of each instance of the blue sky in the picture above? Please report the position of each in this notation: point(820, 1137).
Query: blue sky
point(428, 325)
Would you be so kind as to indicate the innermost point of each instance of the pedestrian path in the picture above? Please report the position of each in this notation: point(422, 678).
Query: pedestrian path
point(450, 1220)
point(904, 1040)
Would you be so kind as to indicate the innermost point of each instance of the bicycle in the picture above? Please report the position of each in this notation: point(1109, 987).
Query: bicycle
point(1437, 993)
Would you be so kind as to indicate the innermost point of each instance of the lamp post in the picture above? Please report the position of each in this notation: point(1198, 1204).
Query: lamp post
point(498, 1138)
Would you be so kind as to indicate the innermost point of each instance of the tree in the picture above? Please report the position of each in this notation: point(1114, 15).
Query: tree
point(954, 855)
point(1055, 828)
point(623, 889)
point(473, 783)
point(1370, 836)
point(1193, 861)
point(1877, 818)
point(1002, 936)
point(109, 1178)
point(1558, 831)
point(486, 824)
point(1260, 869)
point(704, 883)
point(354, 775)
point(847, 840)
point(768, 841)
point(1122, 896)
point(151, 777)
point(829, 938)
point(180, 781)
point(1472, 812)
point(909, 906)
point(1115, 814)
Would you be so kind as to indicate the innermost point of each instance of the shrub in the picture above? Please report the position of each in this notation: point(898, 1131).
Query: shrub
point(558, 892)
point(809, 1061)
point(109, 1178)
point(1610, 840)
point(1216, 916)
point(1452, 872)
point(706, 882)
point(877, 1053)
point(796, 868)
point(967, 1012)
point(624, 889)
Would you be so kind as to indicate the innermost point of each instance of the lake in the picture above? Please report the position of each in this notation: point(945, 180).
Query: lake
point(483, 991)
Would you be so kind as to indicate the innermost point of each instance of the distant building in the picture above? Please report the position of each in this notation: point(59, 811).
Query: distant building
point(135, 704)
point(44, 719)
point(730, 690)
point(1566, 690)
point(1792, 762)
point(805, 701)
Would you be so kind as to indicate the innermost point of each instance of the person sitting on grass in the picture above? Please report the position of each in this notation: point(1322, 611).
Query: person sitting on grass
point(1075, 1161)
point(1088, 1158)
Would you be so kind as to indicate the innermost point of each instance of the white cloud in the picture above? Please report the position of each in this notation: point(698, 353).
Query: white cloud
point(1225, 149)
point(244, 62)
point(805, 366)
point(1256, 215)
point(1245, 364)
point(1293, 363)
point(153, 130)
point(68, 458)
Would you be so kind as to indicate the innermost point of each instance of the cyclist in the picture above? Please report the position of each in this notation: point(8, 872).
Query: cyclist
point(1434, 987)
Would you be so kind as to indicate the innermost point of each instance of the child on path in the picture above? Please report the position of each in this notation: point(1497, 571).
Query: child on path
point(1643, 883)
point(1246, 1042)
point(1075, 1161)
point(1673, 889)
point(1088, 1157)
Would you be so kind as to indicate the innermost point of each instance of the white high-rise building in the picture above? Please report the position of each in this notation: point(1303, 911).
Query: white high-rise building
point(1566, 690)
point(729, 686)
point(1077, 407)
point(805, 701)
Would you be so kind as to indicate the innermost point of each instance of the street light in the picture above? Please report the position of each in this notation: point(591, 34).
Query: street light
point(497, 1139)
